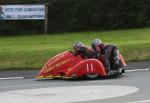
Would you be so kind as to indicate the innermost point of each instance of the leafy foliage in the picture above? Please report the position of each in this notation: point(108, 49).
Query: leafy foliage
point(83, 15)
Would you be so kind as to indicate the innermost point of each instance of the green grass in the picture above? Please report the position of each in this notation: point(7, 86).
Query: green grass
point(31, 52)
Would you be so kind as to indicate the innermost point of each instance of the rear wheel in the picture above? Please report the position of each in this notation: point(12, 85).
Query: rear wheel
point(91, 76)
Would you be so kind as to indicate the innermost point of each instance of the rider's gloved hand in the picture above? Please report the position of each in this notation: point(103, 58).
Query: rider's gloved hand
point(98, 55)
point(74, 53)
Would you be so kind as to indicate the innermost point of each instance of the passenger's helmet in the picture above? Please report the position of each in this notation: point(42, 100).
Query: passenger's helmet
point(95, 42)
point(77, 44)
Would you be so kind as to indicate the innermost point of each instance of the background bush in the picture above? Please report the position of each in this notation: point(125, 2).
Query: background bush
point(82, 15)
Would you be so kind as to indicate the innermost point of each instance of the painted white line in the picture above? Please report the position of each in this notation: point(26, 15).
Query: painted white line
point(65, 94)
point(12, 78)
point(9, 78)
point(142, 101)
point(137, 70)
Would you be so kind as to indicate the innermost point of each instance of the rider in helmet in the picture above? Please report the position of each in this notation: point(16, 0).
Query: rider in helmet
point(82, 50)
point(110, 53)
point(95, 45)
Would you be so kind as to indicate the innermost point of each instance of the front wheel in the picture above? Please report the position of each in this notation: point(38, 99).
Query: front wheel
point(91, 76)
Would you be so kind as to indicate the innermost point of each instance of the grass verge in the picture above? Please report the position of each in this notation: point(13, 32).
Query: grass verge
point(31, 52)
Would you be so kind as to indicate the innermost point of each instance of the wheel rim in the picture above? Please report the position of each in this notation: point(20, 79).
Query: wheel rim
point(91, 76)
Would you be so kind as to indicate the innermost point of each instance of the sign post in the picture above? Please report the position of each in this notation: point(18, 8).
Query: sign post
point(46, 18)
point(47, 3)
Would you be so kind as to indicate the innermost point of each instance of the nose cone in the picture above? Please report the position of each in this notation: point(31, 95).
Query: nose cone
point(43, 75)
point(40, 75)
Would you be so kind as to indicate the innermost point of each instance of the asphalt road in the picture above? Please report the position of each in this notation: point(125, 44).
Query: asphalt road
point(30, 73)
point(132, 87)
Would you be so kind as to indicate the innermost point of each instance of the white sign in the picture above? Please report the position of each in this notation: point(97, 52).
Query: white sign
point(21, 12)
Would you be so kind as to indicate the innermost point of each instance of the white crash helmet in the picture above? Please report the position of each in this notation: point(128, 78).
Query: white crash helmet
point(95, 42)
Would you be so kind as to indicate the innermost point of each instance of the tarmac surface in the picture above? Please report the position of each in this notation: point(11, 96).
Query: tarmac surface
point(132, 87)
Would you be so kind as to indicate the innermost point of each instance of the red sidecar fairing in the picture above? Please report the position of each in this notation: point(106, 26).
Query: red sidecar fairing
point(66, 65)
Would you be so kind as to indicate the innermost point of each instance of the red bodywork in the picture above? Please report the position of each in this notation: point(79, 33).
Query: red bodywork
point(66, 65)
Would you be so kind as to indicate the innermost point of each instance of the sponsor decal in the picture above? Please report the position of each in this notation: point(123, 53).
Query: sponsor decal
point(48, 69)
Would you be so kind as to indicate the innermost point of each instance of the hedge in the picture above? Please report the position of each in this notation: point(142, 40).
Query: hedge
point(82, 15)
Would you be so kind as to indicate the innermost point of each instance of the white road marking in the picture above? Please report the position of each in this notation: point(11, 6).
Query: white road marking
point(65, 94)
point(142, 101)
point(137, 70)
point(12, 78)
point(8, 78)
